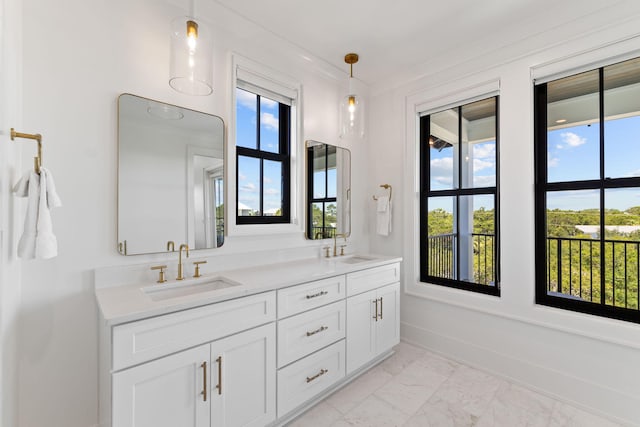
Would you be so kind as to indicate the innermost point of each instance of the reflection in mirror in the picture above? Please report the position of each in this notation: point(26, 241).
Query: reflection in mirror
point(170, 177)
point(328, 190)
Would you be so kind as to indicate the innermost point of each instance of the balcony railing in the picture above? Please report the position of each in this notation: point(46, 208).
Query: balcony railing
point(323, 232)
point(574, 269)
point(441, 258)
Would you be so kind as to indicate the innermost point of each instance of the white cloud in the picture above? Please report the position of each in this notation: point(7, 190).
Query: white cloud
point(479, 165)
point(246, 99)
point(444, 180)
point(633, 173)
point(552, 162)
point(266, 102)
point(271, 191)
point(443, 166)
point(484, 151)
point(267, 180)
point(269, 121)
point(241, 176)
point(559, 147)
point(249, 187)
point(484, 181)
point(572, 140)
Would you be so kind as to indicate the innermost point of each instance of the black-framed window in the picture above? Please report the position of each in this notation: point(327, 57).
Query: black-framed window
point(263, 134)
point(459, 197)
point(322, 191)
point(587, 210)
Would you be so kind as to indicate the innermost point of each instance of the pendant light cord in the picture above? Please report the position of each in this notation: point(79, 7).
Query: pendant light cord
point(192, 8)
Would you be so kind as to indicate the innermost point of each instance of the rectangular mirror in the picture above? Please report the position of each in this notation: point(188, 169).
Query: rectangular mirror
point(170, 177)
point(328, 190)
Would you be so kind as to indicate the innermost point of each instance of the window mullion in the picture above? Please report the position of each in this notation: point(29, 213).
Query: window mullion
point(603, 268)
point(457, 238)
point(261, 187)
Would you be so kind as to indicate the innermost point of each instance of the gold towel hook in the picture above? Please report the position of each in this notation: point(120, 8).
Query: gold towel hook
point(37, 161)
point(386, 187)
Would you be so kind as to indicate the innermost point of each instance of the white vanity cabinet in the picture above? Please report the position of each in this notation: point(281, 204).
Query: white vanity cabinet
point(373, 314)
point(229, 382)
point(257, 356)
point(164, 392)
point(223, 375)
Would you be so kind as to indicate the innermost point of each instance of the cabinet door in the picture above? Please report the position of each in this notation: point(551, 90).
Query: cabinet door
point(361, 330)
point(243, 378)
point(165, 392)
point(388, 324)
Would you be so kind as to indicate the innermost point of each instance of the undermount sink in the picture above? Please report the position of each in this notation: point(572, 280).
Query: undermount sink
point(162, 292)
point(354, 259)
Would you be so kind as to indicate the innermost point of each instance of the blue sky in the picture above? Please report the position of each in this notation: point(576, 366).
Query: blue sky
point(249, 168)
point(573, 154)
point(484, 174)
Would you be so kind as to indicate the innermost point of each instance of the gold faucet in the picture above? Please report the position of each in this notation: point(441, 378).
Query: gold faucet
point(171, 246)
point(335, 238)
point(186, 248)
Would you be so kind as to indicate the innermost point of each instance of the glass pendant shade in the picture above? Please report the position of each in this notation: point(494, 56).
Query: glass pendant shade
point(351, 116)
point(191, 57)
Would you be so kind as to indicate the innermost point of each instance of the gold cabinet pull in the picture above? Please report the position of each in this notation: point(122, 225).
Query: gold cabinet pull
point(219, 386)
point(319, 294)
point(204, 376)
point(376, 303)
point(320, 329)
point(380, 308)
point(319, 374)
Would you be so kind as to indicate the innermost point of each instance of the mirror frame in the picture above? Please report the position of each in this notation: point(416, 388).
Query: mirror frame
point(188, 221)
point(309, 187)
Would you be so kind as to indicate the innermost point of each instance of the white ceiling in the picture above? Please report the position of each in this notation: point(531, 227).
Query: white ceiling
point(397, 36)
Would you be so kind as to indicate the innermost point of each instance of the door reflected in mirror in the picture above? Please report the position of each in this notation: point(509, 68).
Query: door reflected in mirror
point(328, 190)
point(170, 177)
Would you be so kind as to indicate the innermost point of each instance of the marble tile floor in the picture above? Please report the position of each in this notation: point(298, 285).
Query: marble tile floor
point(417, 388)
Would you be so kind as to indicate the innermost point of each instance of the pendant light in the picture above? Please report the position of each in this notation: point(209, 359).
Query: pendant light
point(351, 107)
point(191, 57)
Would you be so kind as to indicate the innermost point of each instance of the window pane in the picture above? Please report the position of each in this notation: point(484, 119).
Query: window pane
point(622, 119)
point(319, 172)
point(572, 245)
point(476, 236)
point(621, 246)
point(316, 216)
point(330, 218)
point(573, 130)
point(269, 121)
point(478, 148)
point(443, 150)
point(441, 238)
point(246, 119)
point(272, 179)
point(248, 186)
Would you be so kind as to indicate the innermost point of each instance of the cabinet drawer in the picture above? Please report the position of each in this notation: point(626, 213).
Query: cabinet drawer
point(365, 280)
point(307, 332)
point(140, 341)
point(304, 379)
point(297, 299)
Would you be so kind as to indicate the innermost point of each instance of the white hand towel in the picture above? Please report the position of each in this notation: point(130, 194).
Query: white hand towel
point(38, 240)
point(46, 242)
point(29, 186)
point(383, 216)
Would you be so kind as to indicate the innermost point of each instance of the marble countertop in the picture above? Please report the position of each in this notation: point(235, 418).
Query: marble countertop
point(130, 302)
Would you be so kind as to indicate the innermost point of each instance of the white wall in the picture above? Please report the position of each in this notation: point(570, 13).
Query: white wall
point(78, 57)
point(10, 67)
point(582, 359)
